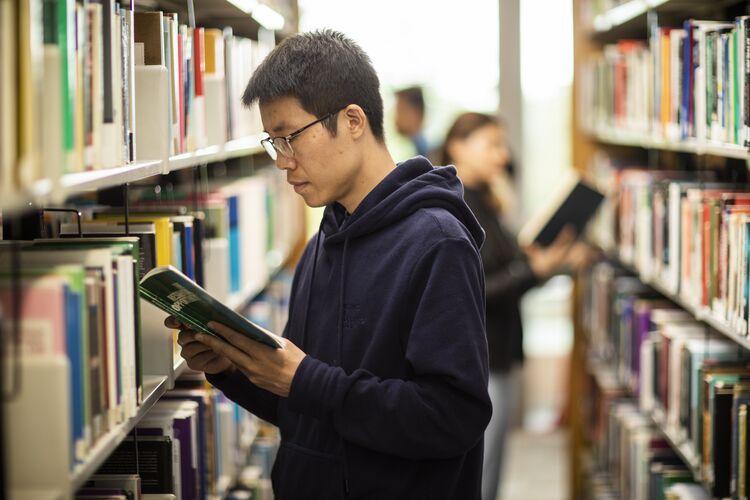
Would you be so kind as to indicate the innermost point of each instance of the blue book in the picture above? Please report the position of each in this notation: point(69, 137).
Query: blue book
point(235, 273)
point(75, 347)
point(686, 114)
point(188, 256)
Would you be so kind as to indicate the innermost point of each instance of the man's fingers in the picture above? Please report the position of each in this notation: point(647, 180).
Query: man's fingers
point(225, 349)
point(203, 358)
point(242, 342)
point(186, 336)
point(172, 322)
point(194, 348)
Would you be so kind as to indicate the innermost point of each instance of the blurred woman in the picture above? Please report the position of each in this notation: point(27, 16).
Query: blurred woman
point(476, 145)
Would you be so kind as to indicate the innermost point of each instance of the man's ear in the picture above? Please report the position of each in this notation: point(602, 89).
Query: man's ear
point(355, 121)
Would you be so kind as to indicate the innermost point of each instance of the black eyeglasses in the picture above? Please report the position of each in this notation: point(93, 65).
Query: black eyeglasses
point(275, 146)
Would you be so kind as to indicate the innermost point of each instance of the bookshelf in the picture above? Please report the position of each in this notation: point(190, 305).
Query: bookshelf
point(256, 27)
point(606, 378)
point(635, 41)
point(620, 138)
point(154, 387)
point(700, 314)
point(55, 190)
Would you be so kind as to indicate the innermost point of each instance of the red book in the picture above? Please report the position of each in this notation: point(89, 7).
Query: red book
point(198, 60)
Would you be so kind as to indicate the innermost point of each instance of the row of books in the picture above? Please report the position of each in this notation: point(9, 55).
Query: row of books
point(251, 225)
point(83, 325)
point(191, 438)
point(90, 85)
point(684, 231)
point(79, 321)
point(633, 459)
point(686, 83)
point(691, 381)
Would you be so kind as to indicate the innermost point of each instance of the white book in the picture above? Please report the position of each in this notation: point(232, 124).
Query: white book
point(216, 267)
point(174, 80)
point(152, 112)
point(94, 152)
point(52, 140)
point(38, 426)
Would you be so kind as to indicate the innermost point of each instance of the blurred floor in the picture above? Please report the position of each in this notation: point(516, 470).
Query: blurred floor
point(537, 467)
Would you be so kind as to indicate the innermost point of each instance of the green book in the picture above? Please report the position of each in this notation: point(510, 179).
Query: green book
point(176, 294)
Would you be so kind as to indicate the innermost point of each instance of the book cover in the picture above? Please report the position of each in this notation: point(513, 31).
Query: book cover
point(176, 294)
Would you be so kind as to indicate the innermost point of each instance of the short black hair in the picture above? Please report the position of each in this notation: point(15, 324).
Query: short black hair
point(325, 71)
point(414, 96)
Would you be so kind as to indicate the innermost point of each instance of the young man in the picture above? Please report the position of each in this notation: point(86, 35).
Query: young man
point(409, 118)
point(381, 388)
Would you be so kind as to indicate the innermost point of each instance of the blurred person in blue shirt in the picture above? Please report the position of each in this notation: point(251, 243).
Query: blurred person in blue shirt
point(410, 112)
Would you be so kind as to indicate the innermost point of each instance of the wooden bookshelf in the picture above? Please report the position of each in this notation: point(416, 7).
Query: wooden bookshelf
point(606, 378)
point(701, 314)
point(631, 19)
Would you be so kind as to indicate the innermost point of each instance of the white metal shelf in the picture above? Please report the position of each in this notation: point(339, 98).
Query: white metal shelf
point(232, 149)
point(57, 190)
point(623, 138)
point(624, 13)
point(154, 387)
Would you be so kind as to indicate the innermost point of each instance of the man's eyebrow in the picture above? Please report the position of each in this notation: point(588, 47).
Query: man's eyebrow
point(278, 128)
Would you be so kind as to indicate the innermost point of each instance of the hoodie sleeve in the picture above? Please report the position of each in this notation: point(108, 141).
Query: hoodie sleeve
point(442, 409)
point(238, 388)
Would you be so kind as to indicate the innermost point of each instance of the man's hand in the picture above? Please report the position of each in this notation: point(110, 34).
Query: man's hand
point(198, 355)
point(268, 368)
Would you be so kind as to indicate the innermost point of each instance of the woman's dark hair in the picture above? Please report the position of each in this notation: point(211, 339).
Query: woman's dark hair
point(465, 125)
point(325, 71)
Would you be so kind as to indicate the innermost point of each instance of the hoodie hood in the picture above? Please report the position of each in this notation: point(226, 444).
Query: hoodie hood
point(414, 184)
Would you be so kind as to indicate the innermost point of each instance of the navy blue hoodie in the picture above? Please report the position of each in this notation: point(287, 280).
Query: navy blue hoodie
point(388, 304)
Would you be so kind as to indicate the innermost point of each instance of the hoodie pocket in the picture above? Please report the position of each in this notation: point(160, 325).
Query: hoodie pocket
point(302, 473)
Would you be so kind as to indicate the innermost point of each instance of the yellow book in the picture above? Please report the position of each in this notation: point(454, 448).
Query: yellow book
point(164, 234)
point(214, 48)
point(666, 80)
